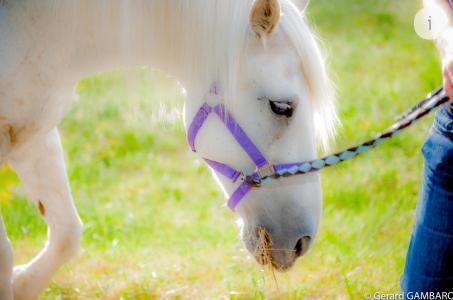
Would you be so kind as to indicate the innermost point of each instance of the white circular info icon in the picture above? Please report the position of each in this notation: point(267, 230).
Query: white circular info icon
point(429, 24)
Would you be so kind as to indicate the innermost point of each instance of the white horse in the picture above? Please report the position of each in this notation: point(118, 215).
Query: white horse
point(261, 54)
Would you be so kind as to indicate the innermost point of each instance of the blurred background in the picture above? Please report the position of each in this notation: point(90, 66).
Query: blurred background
point(155, 223)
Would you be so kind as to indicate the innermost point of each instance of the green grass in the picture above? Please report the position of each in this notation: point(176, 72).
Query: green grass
point(155, 225)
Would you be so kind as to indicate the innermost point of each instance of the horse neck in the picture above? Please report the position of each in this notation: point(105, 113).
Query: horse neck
point(194, 41)
point(128, 34)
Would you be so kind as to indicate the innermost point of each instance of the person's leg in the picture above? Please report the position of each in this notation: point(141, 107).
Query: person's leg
point(429, 261)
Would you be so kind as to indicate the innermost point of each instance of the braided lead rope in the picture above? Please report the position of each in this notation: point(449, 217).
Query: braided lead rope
point(437, 92)
point(432, 101)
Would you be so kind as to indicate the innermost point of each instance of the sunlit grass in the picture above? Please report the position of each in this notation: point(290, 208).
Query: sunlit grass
point(155, 224)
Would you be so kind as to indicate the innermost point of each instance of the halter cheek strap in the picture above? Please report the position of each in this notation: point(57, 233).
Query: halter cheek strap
point(264, 169)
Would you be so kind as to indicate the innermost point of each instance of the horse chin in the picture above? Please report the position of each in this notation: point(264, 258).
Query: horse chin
point(274, 265)
point(266, 253)
point(264, 257)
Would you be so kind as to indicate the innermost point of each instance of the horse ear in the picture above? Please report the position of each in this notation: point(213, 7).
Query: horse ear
point(301, 4)
point(264, 16)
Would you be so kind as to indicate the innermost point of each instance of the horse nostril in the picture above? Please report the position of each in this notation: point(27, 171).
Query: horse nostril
point(301, 246)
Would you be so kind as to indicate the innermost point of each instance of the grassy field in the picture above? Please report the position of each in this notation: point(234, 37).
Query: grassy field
point(152, 232)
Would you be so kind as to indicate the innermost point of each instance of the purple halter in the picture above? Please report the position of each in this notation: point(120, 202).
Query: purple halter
point(264, 168)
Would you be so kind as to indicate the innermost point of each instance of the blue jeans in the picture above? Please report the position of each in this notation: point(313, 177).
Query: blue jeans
point(429, 261)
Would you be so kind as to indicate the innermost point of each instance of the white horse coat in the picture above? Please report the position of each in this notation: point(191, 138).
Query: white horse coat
point(262, 52)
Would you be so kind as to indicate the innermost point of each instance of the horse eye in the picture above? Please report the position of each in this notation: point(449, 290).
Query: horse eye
point(282, 108)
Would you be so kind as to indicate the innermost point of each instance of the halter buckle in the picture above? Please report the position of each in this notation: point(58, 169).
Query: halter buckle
point(266, 171)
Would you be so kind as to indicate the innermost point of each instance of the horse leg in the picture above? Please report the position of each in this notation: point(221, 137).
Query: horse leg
point(6, 264)
point(41, 168)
